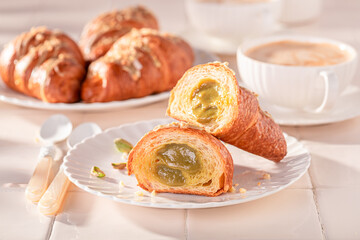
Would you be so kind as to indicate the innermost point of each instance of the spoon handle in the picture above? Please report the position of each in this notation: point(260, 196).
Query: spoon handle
point(51, 201)
point(40, 179)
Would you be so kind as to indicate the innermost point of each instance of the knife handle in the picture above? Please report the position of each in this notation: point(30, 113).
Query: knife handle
point(52, 200)
point(40, 179)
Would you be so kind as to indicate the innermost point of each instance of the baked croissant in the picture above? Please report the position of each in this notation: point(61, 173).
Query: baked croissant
point(100, 34)
point(209, 96)
point(44, 64)
point(177, 158)
point(140, 63)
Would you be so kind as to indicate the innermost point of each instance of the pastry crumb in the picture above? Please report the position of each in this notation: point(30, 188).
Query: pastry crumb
point(232, 189)
point(125, 156)
point(122, 184)
point(153, 193)
point(224, 63)
point(242, 190)
point(259, 183)
point(236, 184)
point(139, 193)
point(266, 176)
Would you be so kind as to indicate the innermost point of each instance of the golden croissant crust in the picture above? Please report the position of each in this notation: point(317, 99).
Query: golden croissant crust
point(181, 159)
point(100, 34)
point(45, 64)
point(140, 63)
point(209, 96)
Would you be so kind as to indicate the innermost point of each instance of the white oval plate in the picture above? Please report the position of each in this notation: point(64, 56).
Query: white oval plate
point(100, 151)
point(10, 96)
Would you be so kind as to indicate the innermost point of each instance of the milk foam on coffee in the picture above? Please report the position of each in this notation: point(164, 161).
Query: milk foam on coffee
point(296, 53)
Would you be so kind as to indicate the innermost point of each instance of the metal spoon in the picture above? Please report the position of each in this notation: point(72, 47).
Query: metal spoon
point(52, 200)
point(55, 129)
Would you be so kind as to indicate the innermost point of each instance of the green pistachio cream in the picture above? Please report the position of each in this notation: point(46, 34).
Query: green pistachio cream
point(203, 98)
point(172, 160)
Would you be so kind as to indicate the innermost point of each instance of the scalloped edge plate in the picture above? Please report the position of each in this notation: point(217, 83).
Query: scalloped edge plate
point(100, 151)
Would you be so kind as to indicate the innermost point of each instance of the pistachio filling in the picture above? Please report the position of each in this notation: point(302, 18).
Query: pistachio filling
point(204, 98)
point(170, 176)
point(174, 161)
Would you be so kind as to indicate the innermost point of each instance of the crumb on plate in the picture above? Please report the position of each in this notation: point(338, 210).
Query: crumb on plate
point(266, 176)
point(242, 190)
point(153, 193)
point(122, 184)
point(139, 193)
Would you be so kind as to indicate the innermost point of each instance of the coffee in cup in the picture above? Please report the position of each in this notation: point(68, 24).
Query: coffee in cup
point(298, 72)
point(296, 53)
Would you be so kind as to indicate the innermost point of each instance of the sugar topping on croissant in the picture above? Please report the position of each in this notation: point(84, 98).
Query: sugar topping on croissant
point(128, 49)
point(45, 64)
point(99, 34)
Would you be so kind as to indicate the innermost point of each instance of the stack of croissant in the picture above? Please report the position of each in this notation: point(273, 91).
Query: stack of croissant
point(128, 58)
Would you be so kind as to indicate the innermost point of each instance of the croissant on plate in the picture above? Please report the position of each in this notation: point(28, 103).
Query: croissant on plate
point(140, 63)
point(100, 34)
point(45, 64)
point(178, 158)
point(209, 96)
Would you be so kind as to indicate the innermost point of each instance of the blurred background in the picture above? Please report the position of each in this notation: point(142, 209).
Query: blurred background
point(70, 16)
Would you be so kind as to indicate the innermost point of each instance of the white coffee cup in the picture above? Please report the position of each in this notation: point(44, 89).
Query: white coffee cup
point(300, 11)
point(308, 88)
point(233, 20)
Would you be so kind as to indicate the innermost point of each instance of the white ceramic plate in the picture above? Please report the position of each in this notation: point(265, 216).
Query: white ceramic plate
point(9, 96)
point(248, 171)
point(347, 107)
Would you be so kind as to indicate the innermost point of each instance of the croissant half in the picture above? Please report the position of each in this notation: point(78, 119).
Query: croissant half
point(177, 158)
point(140, 63)
point(209, 96)
point(100, 34)
point(45, 64)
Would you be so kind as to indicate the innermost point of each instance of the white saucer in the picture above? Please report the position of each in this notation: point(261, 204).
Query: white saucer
point(347, 107)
